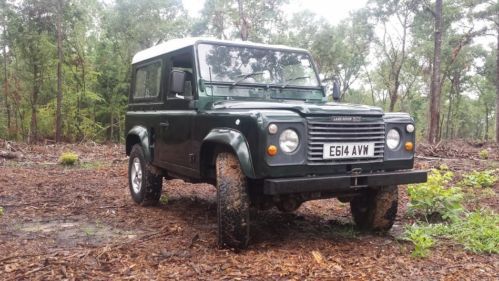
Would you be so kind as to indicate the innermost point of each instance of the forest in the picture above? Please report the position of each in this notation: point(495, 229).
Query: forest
point(66, 63)
point(73, 191)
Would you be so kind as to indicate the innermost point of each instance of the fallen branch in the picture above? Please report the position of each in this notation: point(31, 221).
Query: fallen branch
point(10, 155)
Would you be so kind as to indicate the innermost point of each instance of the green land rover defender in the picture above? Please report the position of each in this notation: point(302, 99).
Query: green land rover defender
point(254, 121)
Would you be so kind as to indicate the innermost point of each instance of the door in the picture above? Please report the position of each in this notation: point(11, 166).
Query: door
point(176, 149)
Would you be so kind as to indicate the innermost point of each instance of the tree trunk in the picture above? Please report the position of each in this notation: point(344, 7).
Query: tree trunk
point(58, 118)
point(393, 101)
point(497, 83)
point(486, 137)
point(33, 136)
point(243, 23)
point(111, 126)
point(6, 83)
point(435, 89)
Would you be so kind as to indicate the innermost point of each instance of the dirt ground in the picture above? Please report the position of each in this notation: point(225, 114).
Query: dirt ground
point(80, 223)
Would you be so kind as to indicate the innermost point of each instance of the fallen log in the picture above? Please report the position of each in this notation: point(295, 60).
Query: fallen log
point(10, 155)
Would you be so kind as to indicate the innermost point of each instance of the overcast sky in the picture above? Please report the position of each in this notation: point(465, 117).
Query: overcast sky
point(333, 11)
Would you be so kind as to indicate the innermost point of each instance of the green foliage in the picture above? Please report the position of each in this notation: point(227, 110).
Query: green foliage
point(481, 179)
point(164, 199)
point(433, 200)
point(1, 211)
point(421, 239)
point(484, 154)
point(68, 158)
point(477, 231)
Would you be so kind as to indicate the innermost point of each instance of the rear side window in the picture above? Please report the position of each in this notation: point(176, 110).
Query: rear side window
point(147, 81)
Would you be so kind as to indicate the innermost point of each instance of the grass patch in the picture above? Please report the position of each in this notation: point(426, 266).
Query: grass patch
point(93, 165)
point(68, 158)
point(477, 232)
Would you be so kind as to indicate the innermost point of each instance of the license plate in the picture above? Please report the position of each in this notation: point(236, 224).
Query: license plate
point(348, 150)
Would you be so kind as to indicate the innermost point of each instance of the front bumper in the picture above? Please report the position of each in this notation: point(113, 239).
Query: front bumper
point(341, 183)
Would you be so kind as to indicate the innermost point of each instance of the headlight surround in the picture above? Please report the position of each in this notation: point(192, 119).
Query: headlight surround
point(289, 141)
point(393, 139)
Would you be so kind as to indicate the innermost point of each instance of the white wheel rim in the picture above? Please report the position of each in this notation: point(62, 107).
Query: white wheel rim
point(136, 175)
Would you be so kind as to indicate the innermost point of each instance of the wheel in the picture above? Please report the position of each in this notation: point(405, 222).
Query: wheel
point(375, 210)
point(143, 179)
point(232, 203)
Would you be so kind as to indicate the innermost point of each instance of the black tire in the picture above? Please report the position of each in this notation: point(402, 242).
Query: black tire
point(147, 190)
point(376, 209)
point(233, 203)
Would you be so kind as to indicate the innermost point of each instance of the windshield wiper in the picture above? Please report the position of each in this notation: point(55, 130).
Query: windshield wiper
point(286, 83)
point(246, 76)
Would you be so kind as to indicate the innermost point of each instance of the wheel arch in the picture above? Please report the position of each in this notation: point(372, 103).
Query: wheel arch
point(222, 139)
point(139, 135)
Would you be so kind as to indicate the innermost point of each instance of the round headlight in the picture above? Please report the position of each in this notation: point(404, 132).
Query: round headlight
point(392, 139)
point(409, 128)
point(289, 141)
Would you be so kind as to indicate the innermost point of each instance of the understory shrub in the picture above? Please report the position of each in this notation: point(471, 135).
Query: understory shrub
point(421, 239)
point(477, 231)
point(68, 158)
point(481, 179)
point(484, 154)
point(433, 200)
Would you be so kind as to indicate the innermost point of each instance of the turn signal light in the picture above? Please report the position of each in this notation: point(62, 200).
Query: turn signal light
point(409, 146)
point(272, 150)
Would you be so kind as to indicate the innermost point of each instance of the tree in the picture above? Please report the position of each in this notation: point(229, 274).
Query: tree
point(394, 41)
point(60, 58)
point(435, 88)
point(254, 20)
point(341, 50)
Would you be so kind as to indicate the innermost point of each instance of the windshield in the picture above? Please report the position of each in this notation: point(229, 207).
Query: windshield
point(247, 65)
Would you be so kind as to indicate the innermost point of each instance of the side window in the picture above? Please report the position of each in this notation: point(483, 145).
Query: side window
point(183, 62)
point(147, 81)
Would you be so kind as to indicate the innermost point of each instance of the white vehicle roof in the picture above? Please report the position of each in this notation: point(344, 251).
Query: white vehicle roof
point(177, 44)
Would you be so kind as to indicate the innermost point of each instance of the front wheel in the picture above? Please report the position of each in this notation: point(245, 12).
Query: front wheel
point(232, 203)
point(376, 209)
point(143, 179)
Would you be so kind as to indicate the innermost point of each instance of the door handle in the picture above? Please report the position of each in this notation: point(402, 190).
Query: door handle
point(165, 124)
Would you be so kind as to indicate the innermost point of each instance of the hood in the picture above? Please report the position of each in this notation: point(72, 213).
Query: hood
point(302, 107)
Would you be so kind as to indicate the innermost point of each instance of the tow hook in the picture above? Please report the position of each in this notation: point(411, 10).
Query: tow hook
point(356, 172)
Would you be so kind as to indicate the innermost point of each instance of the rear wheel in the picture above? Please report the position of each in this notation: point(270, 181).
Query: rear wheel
point(143, 179)
point(376, 209)
point(233, 203)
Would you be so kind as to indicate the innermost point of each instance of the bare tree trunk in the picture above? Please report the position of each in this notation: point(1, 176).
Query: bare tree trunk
point(486, 137)
point(393, 101)
point(497, 83)
point(6, 83)
point(243, 22)
point(33, 136)
point(111, 126)
point(58, 118)
point(435, 79)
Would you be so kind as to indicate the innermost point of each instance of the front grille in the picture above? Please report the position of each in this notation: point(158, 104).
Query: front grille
point(322, 130)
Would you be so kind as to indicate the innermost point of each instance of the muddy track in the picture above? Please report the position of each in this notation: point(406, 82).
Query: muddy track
point(80, 223)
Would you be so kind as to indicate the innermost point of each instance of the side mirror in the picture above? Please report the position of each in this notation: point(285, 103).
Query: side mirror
point(336, 91)
point(177, 81)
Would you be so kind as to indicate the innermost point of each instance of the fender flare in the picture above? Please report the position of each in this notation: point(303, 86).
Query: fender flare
point(235, 140)
point(140, 133)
